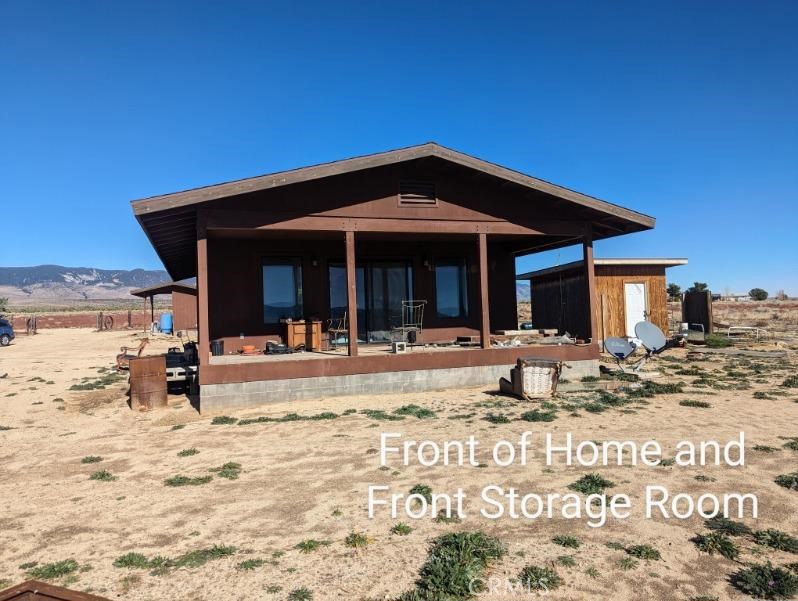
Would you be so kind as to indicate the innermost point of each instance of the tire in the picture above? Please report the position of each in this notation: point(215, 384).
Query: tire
point(5, 340)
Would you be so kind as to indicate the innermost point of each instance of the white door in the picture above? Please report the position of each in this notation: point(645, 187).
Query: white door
point(635, 297)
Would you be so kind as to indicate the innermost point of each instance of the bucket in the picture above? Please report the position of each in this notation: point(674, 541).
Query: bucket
point(217, 348)
point(166, 323)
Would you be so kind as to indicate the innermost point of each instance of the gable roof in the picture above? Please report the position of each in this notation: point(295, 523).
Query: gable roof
point(573, 265)
point(169, 220)
point(430, 149)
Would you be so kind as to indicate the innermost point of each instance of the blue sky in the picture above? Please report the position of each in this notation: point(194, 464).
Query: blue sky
point(685, 111)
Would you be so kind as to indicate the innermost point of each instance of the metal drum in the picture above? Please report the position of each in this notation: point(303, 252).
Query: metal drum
point(148, 383)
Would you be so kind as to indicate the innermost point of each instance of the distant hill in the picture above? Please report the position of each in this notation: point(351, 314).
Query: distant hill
point(522, 291)
point(54, 283)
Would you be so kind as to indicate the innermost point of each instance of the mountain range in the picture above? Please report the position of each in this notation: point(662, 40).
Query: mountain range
point(53, 283)
point(47, 283)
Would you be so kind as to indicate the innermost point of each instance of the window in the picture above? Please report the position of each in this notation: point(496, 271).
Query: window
point(417, 194)
point(451, 290)
point(282, 289)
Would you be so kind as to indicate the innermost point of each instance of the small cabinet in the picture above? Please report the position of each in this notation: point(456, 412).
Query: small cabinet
point(303, 332)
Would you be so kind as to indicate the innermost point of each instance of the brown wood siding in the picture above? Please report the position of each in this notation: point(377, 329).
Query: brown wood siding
point(559, 300)
point(610, 280)
point(184, 308)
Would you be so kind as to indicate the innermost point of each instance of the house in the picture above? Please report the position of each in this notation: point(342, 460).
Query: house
point(278, 256)
point(627, 291)
point(184, 302)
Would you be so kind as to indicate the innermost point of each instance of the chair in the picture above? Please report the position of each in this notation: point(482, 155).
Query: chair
point(128, 353)
point(335, 327)
point(412, 321)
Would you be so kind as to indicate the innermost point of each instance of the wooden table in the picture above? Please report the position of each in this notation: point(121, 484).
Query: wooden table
point(305, 332)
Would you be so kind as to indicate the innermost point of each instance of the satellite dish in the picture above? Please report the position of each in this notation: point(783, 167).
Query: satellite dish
point(651, 336)
point(619, 348)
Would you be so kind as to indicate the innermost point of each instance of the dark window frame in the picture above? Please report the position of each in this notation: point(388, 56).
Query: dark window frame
point(463, 296)
point(281, 260)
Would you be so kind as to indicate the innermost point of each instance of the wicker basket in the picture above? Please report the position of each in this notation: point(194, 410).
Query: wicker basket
point(532, 378)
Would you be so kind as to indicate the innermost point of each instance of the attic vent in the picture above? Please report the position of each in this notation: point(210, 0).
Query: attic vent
point(417, 194)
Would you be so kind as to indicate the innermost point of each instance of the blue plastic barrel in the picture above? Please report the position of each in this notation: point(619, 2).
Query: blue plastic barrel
point(166, 323)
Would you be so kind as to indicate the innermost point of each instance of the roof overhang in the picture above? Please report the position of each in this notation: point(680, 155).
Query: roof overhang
point(574, 265)
point(165, 288)
point(169, 220)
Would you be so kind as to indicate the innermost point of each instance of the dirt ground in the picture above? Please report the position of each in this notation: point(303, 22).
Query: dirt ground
point(308, 479)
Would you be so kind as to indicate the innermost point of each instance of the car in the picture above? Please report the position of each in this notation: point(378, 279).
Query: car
point(6, 332)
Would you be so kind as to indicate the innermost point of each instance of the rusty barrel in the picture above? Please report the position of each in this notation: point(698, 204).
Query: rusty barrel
point(148, 383)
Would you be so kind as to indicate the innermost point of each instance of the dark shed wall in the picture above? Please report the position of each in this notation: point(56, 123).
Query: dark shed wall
point(560, 301)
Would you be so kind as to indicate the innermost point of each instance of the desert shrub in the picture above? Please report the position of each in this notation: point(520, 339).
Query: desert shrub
point(417, 411)
point(627, 563)
point(229, 470)
point(763, 448)
point(717, 542)
point(195, 559)
point(727, 526)
point(442, 518)
point(300, 594)
point(187, 452)
point(717, 341)
point(591, 484)
point(424, 490)
point(381, 415)
point(793, 567)
point(103, 476)
point(566, 560)
point(589, 379)
point(356, 540)
point(401, 529)
point(764, 581)
point(223, 420)
point(536, 415)
point(538, 578)
point(650, 388)
point(644, 552)
point(186, 481)
point(497, 418)
point(788, 480)
point(51, 571)
point(565, 540)
point(692, 403)
point(132, 560)
point(455, 566)
point(250, 564)
point(91, 459)
point(776, 539)
point(792, 445)
point(311, 544)
point(790, 382)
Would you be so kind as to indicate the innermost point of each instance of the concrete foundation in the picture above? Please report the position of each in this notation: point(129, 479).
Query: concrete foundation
point(221, 397)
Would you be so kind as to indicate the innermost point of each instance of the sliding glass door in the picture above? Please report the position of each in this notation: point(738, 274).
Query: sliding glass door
point(381, 288)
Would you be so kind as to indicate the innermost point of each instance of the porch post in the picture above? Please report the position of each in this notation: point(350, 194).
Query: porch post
point(590, 281)
point(152, 308)
point(203, 342)
point(484, 330)
point(351, 293)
